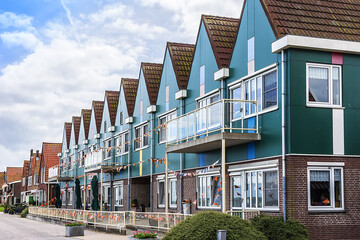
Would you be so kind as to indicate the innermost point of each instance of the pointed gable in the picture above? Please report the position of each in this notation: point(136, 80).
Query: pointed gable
point(222, 34)
point(86, 116)
point(130, 87)
point(26, 165)
point(13, 174)
point(67, 130)
point(181, 56)
point(98, 107)
point(322, 19)
point(76, 124)
point(112, 98)
point(152, 75)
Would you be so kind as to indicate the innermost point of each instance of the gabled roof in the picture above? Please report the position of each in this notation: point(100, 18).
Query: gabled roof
point(13, 174)
point(222, 33)
point(76, 123)
point(335, 19)
point(2, 178)
point(130, 87)
point(50, 150)
point(67, 128)
point(98, 111)
point(112, 101)
point(86, 115)
point(181, 56)
point(152, 74)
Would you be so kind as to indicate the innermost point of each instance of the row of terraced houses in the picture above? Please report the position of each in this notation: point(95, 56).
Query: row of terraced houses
point(261, 113)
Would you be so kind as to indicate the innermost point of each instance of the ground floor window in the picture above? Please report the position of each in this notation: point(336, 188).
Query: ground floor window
point(161, 193)
point(69, 194)
point(325, 188)
point(106, 195)
point(63, 197)
point(119, 195)
point(209, 191)
point(172, 192)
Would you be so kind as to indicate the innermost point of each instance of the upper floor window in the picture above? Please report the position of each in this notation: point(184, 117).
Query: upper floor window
point(141, 137)
point(202, 80)
point(209, 117)
point(323, 85)
point(167, 97)
point(105, 127)
point(122, 143)
point(107, 145)
point(30, 181)
point(162, 131)
point(325, 188)
point(121, 118)
point(262, 88)
point(23, 182)
point(141, 110)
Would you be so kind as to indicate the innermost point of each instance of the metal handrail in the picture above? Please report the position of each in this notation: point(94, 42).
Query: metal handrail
point(221, 126)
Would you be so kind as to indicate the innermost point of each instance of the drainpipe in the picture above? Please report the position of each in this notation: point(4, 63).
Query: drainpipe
point(152, 151)
point(129, 160)
point(182, 157)
point(283, 132)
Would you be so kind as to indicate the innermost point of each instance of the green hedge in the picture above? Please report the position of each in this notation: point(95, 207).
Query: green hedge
point(24, 212)
point(204, 225)
point(275, 229)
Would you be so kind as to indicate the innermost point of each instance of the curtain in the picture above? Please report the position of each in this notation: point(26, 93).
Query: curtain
point(319, 176)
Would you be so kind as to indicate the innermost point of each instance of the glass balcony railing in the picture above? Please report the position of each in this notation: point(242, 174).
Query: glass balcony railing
point(101, 157)
point(227, 115)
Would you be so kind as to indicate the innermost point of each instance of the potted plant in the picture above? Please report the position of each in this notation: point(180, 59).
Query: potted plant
point(74, 229)
point(134, 202)
point(11, 211)
point(144, 235)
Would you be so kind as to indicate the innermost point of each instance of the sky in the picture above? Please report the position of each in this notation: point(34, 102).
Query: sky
point(56, 56)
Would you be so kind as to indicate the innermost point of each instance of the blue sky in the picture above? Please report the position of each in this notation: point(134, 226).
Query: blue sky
point(56, 56)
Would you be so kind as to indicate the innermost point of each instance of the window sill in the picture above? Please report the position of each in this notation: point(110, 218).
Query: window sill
point(208, 208)
point(119, 155)
point(263, 209)
point(136, 150)
point(319, 211)
point(314, 105)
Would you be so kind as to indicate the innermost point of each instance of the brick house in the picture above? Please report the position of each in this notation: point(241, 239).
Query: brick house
point(24, 181)
point(12, 191)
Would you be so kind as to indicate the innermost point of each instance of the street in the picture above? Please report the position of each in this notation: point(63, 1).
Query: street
point(13, 227)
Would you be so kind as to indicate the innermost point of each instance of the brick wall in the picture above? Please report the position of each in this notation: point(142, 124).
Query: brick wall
point(341, 225)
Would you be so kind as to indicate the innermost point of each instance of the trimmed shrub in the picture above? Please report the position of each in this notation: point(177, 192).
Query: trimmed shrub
point(24, 213)
point(204, 225)
point(274, 228)
point(2, 209)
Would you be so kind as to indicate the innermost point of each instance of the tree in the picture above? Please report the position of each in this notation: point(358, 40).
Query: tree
point(58, 202)
point(95, 202)
point(78, 194)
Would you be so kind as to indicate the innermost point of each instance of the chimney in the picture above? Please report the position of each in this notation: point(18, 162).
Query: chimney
point(31, 153)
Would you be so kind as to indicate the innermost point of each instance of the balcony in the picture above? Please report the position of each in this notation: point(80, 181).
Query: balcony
point(98, 160)
point(59, 174)
point(203, 129)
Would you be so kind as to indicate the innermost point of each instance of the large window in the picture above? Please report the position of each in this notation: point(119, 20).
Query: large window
point(323, 85)
point(262, 88)
point(161, 193)
point(119, 195)
point(106, 195)
point(208, 117)
point(162, 131)
point(122, 143)
point(209, 191)
point(172, 192)
point(325, 188)
point(141, 137)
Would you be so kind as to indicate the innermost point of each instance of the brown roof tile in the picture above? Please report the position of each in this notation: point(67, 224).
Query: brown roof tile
point(181, 56)
point(13, 174)
point(2, 178)
point(76, 123)
point(130, 87)
point(68, 133)
point(222, 34)
point(152, 74)
point(98, 111)
point(86, 115)
point(334, 19)
point(112, 101)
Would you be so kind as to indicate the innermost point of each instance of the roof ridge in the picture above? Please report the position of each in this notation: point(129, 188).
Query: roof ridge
point(67, 127)
point(130, 86)
point(86, 122)
point(76, 124)
point(98, 112)
point(112, 98)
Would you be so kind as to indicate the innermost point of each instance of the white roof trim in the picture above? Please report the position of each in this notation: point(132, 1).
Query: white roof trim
point(321, 44)
point(326, 164)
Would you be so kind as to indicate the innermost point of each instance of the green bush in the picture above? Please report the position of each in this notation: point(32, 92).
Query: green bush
point(72, 224)
point(204, 225)
point(2, 209)
point(24, 213)
point(274, 228)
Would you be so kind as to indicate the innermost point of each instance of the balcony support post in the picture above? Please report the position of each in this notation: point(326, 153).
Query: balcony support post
point(223, 161)
point(84, 191)
point(101, 190)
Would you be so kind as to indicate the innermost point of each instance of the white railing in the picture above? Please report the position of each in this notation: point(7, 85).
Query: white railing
point(53, 172)
point(244, 214)
point(114, 219)
point(94, 159)
point(221, 116)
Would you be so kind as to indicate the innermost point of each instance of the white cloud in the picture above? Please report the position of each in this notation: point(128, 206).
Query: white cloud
point(25, 39)
point(9, 19)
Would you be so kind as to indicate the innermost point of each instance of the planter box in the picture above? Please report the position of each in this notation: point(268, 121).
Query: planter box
point(132, 238)
point(71, 231)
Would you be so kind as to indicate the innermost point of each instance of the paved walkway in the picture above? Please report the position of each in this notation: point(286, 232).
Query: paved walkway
point(13, 227)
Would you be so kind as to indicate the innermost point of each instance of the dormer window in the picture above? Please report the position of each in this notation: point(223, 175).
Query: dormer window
point(105, 127)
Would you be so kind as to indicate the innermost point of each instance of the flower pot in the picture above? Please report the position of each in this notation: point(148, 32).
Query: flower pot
point(133, 204)
point(133, 238)
point(71, 231)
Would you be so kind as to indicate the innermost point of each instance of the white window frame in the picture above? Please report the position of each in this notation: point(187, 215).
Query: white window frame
point(29, 181)
point(107, 144)
point(81, 157)
point(242, 85)
point(171, 180)
point(120, 141)
point(162, 130)
point(329, 104)
point(121, 118)
point(119, 187)
point(23, 182)
point(36, 179)
point(202, 102)
point(106, 192)
point(141, 141)
point(161, 179)
point(332, 188)
point(70, 191)
point(199, 190)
